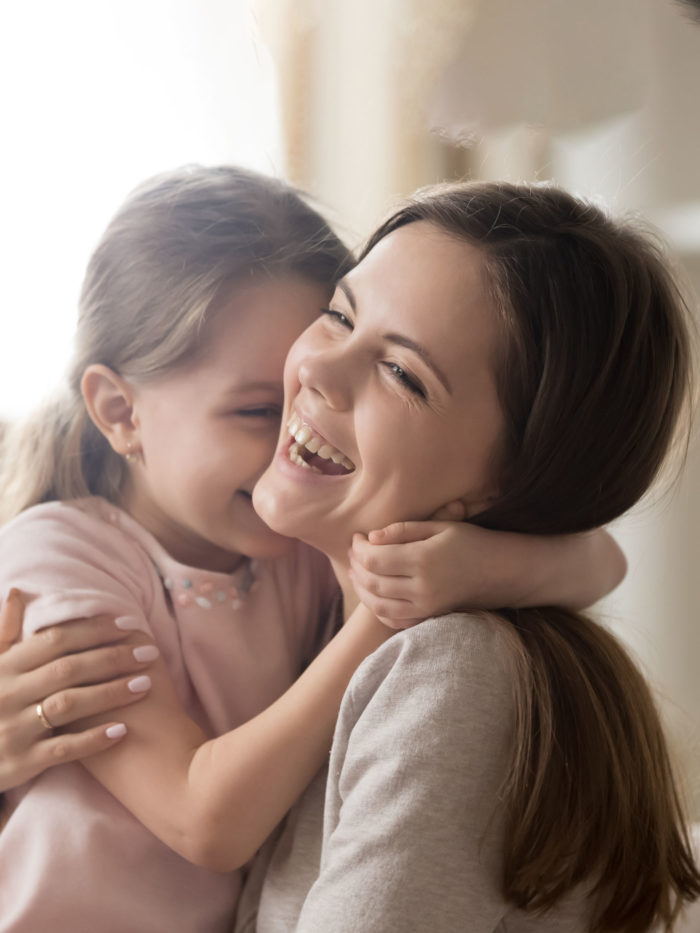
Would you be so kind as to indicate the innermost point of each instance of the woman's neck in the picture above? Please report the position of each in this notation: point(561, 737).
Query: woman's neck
point(350, 600)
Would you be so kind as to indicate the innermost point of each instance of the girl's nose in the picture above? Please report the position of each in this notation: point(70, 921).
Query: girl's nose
point(330, 375)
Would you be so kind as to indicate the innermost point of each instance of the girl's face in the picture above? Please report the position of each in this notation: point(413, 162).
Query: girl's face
point(208, 429)
point(397, 380)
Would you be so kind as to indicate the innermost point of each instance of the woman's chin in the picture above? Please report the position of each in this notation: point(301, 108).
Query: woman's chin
point(288, 513)
point(269, 503)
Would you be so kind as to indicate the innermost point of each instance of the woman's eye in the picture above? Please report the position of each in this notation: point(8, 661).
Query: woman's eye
point(406, 379)
point(338, 317)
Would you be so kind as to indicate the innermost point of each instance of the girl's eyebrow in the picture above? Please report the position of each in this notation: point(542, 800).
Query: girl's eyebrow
point(402, 340)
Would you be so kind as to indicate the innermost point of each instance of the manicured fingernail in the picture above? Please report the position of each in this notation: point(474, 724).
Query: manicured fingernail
point(146, 653)
point(127, 623)
point(115, 732)
point(140, 684)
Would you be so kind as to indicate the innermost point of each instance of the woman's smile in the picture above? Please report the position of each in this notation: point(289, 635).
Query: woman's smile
point(310, 450)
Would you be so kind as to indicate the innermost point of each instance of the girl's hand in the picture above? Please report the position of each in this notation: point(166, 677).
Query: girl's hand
point(412, 570)
point(73, 670)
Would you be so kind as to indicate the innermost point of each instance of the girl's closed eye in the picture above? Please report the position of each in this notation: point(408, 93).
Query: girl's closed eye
point(262, 412)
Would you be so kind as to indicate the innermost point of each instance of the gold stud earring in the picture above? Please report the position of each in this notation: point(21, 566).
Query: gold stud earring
point(130, 456)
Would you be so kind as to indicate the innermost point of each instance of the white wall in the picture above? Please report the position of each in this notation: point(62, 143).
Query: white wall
point(97, 96)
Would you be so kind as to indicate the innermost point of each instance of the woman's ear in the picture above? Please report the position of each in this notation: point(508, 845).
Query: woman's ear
point(109, 400)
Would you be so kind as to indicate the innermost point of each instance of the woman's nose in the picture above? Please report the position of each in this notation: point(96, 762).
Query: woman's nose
point(329, 374)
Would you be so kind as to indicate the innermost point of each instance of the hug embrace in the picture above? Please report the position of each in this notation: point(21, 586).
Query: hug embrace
point(352, 507)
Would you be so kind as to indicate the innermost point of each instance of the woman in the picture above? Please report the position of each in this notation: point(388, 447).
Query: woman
point(512, 348)
point(543, 391)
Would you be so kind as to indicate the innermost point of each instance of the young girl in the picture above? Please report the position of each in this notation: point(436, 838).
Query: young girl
point(133, 499)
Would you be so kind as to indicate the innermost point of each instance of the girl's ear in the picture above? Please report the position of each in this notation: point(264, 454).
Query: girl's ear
point(109, 400)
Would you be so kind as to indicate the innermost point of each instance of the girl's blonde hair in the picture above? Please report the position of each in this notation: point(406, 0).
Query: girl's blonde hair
point(169, 257)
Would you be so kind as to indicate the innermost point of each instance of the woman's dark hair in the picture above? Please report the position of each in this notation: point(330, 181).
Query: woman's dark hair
point(594, 379)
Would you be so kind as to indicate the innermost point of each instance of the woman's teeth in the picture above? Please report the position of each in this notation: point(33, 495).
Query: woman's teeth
point(305, 439)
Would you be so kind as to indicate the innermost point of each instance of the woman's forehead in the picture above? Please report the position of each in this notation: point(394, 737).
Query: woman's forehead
point(426, 259)
point(430, 284)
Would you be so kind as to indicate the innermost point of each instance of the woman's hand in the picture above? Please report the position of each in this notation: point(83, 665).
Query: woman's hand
point(66, 673)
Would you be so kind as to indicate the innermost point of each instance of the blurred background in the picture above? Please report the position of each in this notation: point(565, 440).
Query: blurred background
point(359, 103)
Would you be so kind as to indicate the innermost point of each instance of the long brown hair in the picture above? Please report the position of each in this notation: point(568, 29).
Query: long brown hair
point(594, 378)
point(171, 254)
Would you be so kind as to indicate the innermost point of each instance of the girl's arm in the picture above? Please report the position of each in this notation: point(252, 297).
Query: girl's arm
point(215, 801)
point(412, 570)
point(212, 801)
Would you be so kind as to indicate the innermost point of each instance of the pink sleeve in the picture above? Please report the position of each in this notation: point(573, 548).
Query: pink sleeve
point(71, 564)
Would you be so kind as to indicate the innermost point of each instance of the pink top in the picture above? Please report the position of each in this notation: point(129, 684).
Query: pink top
point(71, 856)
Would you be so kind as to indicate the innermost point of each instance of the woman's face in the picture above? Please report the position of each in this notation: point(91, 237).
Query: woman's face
point(396, 381)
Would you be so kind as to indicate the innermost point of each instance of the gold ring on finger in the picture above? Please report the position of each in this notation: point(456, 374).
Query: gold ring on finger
point(42, 717)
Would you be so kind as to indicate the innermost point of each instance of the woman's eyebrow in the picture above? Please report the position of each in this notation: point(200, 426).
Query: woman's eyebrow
point(348, 292)
point(402, 340)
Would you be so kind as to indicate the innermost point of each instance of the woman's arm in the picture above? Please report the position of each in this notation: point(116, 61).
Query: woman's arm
point(412, 570)
point(74, 670)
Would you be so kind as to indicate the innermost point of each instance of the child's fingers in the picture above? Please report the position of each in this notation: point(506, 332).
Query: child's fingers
point(385, 585)
point(383, 606)
point(396, 613)
point(402, 533)
point(390, 611)
point(389, 560)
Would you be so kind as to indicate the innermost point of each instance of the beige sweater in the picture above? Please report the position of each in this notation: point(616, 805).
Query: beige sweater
point(411, 834)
